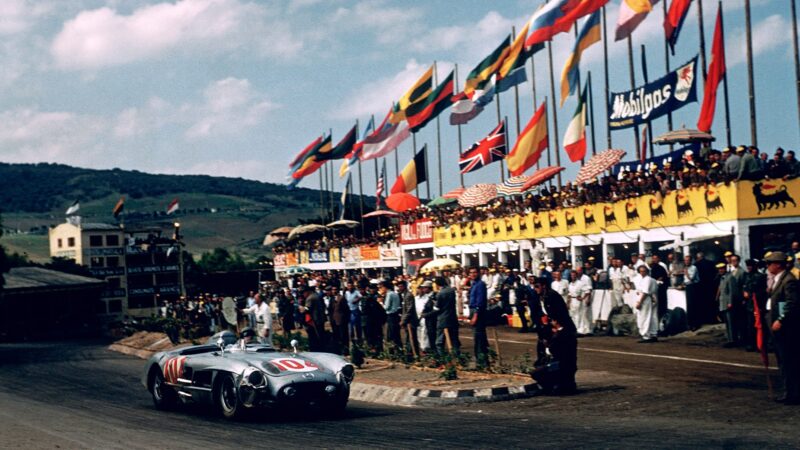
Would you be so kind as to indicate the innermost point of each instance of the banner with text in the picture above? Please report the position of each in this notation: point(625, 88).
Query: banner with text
point(417, 232)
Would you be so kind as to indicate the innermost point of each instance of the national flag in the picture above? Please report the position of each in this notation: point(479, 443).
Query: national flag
point(353, 156)
point(463, 111)
point(419, 114)
point(119, 207)
point(73, 208)
point(716, 73)
point(512, 70)
point(413, 173)
point(418, 92)
point(311, 162)
point(341, 150)
point(678, 11)
point(304, 153)
point(380, 186)
point(173, 206)
point(761, 341)
point(482, 73)
point(589, 34)
point(631, 14)
point(530, 144)
point(575, 137)
point(558, 16)
point(343, 200)
point(384, 139)
point(486, 151)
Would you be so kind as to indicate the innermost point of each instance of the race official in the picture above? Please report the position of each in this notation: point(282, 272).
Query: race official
point(646, 306)
point(579, 294)
point(784, 313)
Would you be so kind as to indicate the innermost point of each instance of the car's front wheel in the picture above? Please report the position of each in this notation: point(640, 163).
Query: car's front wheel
point(163, 396)
point(228, 399)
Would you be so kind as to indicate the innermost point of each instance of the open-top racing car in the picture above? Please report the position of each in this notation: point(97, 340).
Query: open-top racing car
point(235, 375)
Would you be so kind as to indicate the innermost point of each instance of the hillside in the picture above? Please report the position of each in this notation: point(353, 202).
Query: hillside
point(233, 213)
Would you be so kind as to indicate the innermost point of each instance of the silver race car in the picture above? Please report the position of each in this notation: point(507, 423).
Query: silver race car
point(235, 375)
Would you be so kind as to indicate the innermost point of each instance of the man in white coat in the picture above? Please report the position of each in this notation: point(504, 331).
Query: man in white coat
point(579, 303)
point(617, 277)
point(646, 306)
point(263, 319)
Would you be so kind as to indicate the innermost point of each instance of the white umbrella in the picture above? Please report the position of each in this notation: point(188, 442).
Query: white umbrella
point(343, 223)
point(303, 229)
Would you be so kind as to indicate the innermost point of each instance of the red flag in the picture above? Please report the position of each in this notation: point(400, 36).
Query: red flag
point(644, 144)
point(760, 331)
point(674, 20)
point(716, 72)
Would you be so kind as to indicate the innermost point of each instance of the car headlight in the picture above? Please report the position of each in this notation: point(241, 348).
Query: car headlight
point(254, 378)
point(346, 373)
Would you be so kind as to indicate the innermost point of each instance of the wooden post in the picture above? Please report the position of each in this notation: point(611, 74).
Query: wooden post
point(447, 341)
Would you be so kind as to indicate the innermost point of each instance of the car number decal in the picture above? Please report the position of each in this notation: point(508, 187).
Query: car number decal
point(294, 365)
point(173, 369)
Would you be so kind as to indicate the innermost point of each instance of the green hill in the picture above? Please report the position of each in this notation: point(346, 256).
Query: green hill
point(233, 213)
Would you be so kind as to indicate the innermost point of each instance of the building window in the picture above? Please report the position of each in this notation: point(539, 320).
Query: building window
point(60, 243)
point(112, 261)
point(96, 261)
point(71, 242)
point(113, 283)
point(112, 240)
point(95, 241)
point(114, 306)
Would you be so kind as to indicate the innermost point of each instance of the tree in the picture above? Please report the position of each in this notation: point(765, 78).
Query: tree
point(221, 260)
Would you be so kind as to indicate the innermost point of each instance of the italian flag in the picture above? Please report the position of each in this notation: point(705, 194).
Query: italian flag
point(575, 138)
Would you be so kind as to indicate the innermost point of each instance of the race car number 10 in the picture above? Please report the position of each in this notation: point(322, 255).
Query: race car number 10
point(294, 365)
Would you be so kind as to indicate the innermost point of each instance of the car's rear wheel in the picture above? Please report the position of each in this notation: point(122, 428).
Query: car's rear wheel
point(228, 399)
point(163, 396)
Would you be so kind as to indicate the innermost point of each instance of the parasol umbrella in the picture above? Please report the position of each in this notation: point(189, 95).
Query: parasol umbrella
point(343, 223)
point(683, 136)
point(303, 229)
point(402, 201)
point(479, 194)
point(440, 264)
point(296, 270)
point(282, 230)
point(380, 212)
point(271, 239)
point(513, 185)
point(455, 193)
point(541, 176)
point(599, 164)
point(438, 201)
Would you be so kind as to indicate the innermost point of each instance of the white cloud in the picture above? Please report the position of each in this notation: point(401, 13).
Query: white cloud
point(103, 37)
point(136, 121)
point(17, 16)
point(769, 34)
point(392, 24)
point(480, 37)
point(231, 105)
point(249, 169)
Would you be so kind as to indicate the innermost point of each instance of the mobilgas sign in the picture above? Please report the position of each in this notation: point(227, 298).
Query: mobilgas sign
point(655, 99)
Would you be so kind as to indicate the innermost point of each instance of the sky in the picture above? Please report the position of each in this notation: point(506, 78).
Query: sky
point(236, 88)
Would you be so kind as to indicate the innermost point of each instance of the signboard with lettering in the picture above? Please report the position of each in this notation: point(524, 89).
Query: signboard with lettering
point(370, 253)
point(279, 260)
point(318, 257)
point(418, 232)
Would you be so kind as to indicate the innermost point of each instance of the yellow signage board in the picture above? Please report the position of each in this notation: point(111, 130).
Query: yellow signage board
point(768, 199)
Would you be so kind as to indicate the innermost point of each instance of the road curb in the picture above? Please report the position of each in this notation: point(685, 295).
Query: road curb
point(377, 393)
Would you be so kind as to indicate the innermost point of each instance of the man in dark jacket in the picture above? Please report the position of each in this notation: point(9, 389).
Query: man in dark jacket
point(339, 314)
point(478, 302)
point(558, 334)
point(313, 310)
point(374, 316)
point(784, 306)
point(409, 321)
point(447, 316)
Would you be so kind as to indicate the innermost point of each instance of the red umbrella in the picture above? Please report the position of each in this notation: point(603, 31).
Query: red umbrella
point(455, 193)
point(599, 164)
point(540, 176)
point(402, 202)
point(380, 212)
point(480, 194)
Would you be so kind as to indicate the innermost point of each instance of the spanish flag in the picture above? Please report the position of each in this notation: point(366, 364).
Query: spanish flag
point(530, 144)
point(413, 173)
point(119, 207)
point(418, 92)
point(589, 34)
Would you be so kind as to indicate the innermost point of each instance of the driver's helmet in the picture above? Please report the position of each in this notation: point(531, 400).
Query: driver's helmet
point(247, 335)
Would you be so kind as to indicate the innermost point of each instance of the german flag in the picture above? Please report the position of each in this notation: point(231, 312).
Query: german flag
point(418, 92)
point(119, 207)
point(530, 144)
point(419, 114)
point(413, 174)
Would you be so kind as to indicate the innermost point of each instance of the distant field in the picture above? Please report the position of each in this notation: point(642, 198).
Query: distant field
point(36, 247)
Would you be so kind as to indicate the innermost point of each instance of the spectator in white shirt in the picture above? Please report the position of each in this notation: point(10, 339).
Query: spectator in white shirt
point(263, 319)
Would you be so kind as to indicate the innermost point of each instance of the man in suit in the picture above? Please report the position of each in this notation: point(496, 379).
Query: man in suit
point(313, 310)
point(735, 313)
point(447, 318)
point(393, 306)
point(478, 301)
point(558, 334)
point(409, 320)
point(784, 313)
point(339, 314)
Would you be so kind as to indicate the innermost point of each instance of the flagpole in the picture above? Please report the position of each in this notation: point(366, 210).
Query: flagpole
point(796, 56)
point(321, 198)
point(750, 84)
point(438, 137)
point(413, 154)
point(649, 126)
point(324, 171)
point(361, 197)
point(516, 86)
point(396, 162)
point(555, 113)
point(333, 197)
point(702, 38)
point(666, 65)
point(591, 109)
point(633, 86)
point(378, 200)
point(579, 77)
point(460, 174)
point(499, 119)
point(605, 69)
point(725, 85)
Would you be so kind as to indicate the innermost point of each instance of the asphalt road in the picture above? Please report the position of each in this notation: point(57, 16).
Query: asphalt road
point(80, 395)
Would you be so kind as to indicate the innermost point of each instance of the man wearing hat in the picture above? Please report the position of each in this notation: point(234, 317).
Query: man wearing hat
point(749, 168)
point(313, 310)
point(783, 307)
point(393, 306)
point(446, 317)
point(731, 297)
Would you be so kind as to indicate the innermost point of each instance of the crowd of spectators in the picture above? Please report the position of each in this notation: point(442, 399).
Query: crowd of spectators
point(384, 235)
